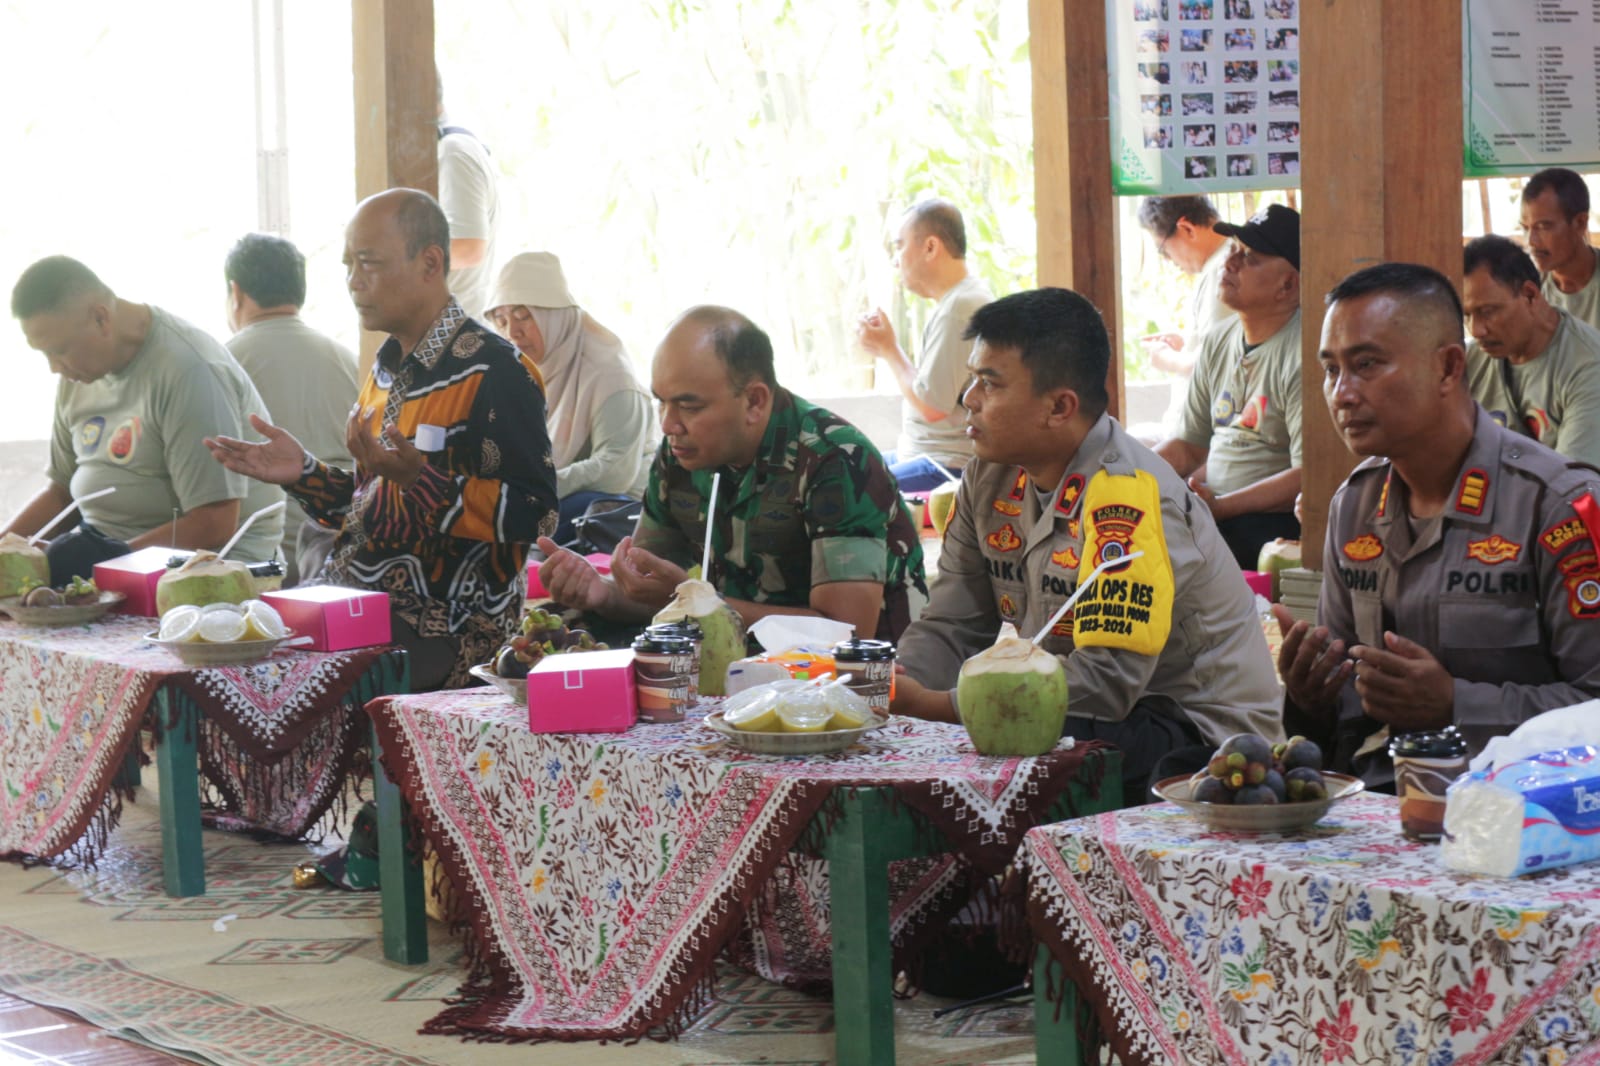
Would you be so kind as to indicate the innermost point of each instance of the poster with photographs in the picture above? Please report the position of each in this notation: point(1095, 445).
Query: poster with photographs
point(1532, 73)
point(1205, 95)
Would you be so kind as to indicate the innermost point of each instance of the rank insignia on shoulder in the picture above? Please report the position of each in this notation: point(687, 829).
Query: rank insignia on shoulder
point(1070, 493)
point(1004, 539)
point(1494, 550)
point(1363, 549)
point(1008, 508)
point(1066, 558)
point(1474, 487)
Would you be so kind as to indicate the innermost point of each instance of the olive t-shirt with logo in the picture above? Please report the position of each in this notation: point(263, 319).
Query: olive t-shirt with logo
point(141, 431)
point(1244, 406)
point(1554, 398)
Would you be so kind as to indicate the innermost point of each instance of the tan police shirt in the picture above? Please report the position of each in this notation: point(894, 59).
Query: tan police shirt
point(1006, 558)
point(1504, 589)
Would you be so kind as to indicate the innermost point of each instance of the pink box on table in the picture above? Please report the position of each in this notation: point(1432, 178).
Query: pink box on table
point(335, 618)
point(583, 692)
point(1260, 584)
point(536, 590)
point(135, 576)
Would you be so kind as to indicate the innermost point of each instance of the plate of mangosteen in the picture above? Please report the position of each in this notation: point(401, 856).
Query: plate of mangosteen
point(76, 602)
point(1254, 785)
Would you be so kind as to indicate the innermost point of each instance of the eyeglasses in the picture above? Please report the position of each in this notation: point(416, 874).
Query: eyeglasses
point(1161, 249)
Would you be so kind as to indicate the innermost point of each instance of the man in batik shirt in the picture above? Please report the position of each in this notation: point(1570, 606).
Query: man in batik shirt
point(453, 475)
point(808, 518)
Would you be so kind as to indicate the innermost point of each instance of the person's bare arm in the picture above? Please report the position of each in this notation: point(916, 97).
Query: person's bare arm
point(467, 252)
point(46, 503)
point(877, 337)
point(1184, 457)
point(1267, 496)
point(208, 526)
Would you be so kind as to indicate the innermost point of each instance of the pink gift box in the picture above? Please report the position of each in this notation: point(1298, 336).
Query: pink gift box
point(135, 576)
point(536, 590)
point(335, 618)
point(583, 692)
point(1260, 584)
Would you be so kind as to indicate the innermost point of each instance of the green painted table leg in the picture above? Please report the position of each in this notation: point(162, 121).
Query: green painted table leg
point(132, 774)
point(863, 977)
point(405, 915)
point(1055, 1035)
point(183, 860)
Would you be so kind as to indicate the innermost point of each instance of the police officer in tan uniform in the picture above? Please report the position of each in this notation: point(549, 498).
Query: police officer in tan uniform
point(1461, 584)
point(1164, 654)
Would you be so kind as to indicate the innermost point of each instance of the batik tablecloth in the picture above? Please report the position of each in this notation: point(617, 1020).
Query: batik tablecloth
point(603, 873)
point(1342, 943)
point(276, 736)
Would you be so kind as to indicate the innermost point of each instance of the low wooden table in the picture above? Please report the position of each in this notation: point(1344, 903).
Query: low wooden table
point(604, 873)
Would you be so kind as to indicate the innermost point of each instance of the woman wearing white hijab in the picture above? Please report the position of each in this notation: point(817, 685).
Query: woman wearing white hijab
point(602, 433)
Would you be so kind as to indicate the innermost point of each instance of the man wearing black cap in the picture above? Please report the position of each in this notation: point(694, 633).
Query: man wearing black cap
point(1238, 437)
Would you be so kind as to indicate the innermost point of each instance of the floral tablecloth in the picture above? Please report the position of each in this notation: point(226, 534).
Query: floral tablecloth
point(1342, 943)
point(603, 873)
point(276, 737)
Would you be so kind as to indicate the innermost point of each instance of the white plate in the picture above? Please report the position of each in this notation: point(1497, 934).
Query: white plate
point(225, 653)
point(1264, 818)
point(791, 743)
point(513, 688)
point(66, 614)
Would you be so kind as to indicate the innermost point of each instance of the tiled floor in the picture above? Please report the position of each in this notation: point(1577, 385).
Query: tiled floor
point(42, 1037)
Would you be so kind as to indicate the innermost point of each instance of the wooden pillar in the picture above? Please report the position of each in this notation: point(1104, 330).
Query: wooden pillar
point(396, 104)
point(1075, 212)
point(1381, 173)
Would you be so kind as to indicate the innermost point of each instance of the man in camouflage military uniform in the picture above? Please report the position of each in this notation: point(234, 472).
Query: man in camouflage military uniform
point(1162, 656)
point(1461, 571)
point(808, 520)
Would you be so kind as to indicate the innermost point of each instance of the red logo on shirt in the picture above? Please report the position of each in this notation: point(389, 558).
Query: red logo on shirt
point(124, 439)
point(1582, 575)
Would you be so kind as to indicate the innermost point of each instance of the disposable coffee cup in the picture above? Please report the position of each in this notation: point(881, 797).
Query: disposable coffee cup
point(1424, 766)
point(868, 669)
point(662, 667)
point(695, 635)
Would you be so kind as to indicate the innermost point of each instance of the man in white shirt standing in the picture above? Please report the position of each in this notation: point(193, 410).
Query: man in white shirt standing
point(471, 202)
point(931, 253)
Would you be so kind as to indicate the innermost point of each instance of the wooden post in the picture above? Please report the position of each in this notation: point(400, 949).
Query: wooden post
point(396, 104)
point(1381, 173)
point(1075, 212)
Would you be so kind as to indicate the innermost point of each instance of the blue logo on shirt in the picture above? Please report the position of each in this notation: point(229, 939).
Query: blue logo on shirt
point(89, 435)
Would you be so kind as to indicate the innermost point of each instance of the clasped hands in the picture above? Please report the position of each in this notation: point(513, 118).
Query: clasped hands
point(1400, 684)
point(637, 575)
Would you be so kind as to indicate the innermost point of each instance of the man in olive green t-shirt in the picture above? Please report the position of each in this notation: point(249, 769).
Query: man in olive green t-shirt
point(1238, 438)
point(1555, 216)
point(1534, 368)
point(140, 391)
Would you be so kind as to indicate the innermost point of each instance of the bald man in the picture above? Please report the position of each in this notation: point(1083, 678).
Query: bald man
point(1462, 584)
point(808, 518)
point(453, 478)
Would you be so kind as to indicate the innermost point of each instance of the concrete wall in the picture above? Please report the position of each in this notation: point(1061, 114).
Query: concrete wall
point(22, 465)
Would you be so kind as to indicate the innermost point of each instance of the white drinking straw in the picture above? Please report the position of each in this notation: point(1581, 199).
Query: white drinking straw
point(269, 509)
point(948, 476)
point(68, 509)
point(711, 513)
point(1083, 586)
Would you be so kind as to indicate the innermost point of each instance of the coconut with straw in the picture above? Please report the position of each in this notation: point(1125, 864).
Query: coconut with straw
point(696, 600)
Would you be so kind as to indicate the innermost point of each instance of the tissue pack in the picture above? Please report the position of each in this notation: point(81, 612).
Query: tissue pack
point(1524, 816)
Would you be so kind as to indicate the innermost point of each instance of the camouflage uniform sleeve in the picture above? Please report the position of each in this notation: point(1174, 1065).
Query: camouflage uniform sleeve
point(657, 533)
point(849, 499)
